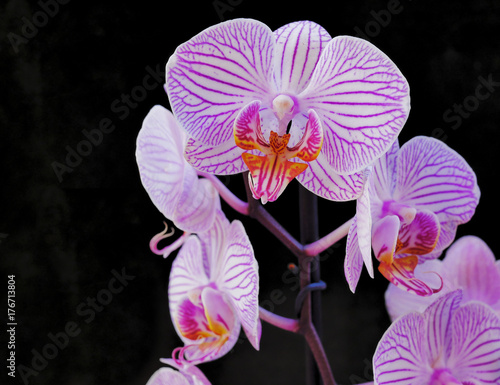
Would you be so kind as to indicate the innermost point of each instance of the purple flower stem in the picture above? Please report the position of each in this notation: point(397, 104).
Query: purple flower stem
point(292, 325)
point(328, 240)
point(232, 200)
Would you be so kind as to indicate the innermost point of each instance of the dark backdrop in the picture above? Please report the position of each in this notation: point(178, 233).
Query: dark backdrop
point(62, 236)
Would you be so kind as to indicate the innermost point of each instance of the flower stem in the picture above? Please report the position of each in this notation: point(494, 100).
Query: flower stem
point(292, 325)
point(226, 194)
point(328, 240)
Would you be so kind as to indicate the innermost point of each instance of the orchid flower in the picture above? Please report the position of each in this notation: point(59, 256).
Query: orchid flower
point(469, 264)
point(171, 182)
point(253, 99)
point(413, 202)
point(446, 345)
point(213, 290)
point(186, 375)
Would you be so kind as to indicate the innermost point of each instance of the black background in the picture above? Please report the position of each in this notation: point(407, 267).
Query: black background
point(62, 239)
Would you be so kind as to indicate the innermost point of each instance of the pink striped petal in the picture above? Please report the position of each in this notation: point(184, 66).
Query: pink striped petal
point(364, 219)
point(237, 275)
point(433, 177)
point(320, 179)
point(224, 159)
point(420, 236)
point(362, 99)
point(167, 376)
point(385, 237)
point(187, 274)
point(384, 173)
point(298, 48)
point(469, 265)
point(353, 262)
point(475, 354)
point(309, 147)
point(158, 154)
point(214, 243)
point(400, 357)
point(247, 129)
point(217, 335)
point(190, 370)
point(438, 320)
point(171, 183)
point(216, 73)
point(400, 302)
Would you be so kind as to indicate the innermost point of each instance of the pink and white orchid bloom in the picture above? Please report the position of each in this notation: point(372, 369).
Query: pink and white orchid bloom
point(469, 265)
point(171, 182)
point(254, 99)
point(186, 375)
point(413, 202)
point(213, 290)
point(446, 345)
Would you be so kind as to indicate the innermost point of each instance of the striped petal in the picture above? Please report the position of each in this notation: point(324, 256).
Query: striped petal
point(475, 354)
point(323, 181)
point(190, 370)
point(224, 159)
point(298, 48)
point(363, 213)
point(420, 236)
point(469, 265)
point(362, 99)
point(400, 302)
point(213, 330)
point(237, 275)
point(400, 357)
point(353, 262)
point(168, 376)
point(247, 129)
point(216, 73)
point(172, 184)
point(438, 320)
point(187, 275)
point(433, 177)
point(158, 154)
point(309, 147)
point(384, 173)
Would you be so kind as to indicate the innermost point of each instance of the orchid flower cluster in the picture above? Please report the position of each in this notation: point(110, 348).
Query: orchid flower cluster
point(296, 103)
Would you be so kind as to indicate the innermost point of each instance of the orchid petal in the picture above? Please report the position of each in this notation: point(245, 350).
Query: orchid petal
point(222, 324)
point(161, 166)
point(362, 99)
point(167, 376)
point(364, 220)
point(475, 354)
point(224, 159)
point(320, 179)
point(420, 236)
point(191, 321)
point(432, 176)
point(269, 175)
point(353, 262)
point(385, 237)
point(213, 243)
point(247, 130)
point(401, 273)
point(216, 73)
point(384, 173)
point(187, 273)
point(469, 264)
point(238, 277)
point(298, 48)
point(400, 357)
point(400, 302)
point(438, 319)
point(197, 204)
point(196, 374)
point(309, 147)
